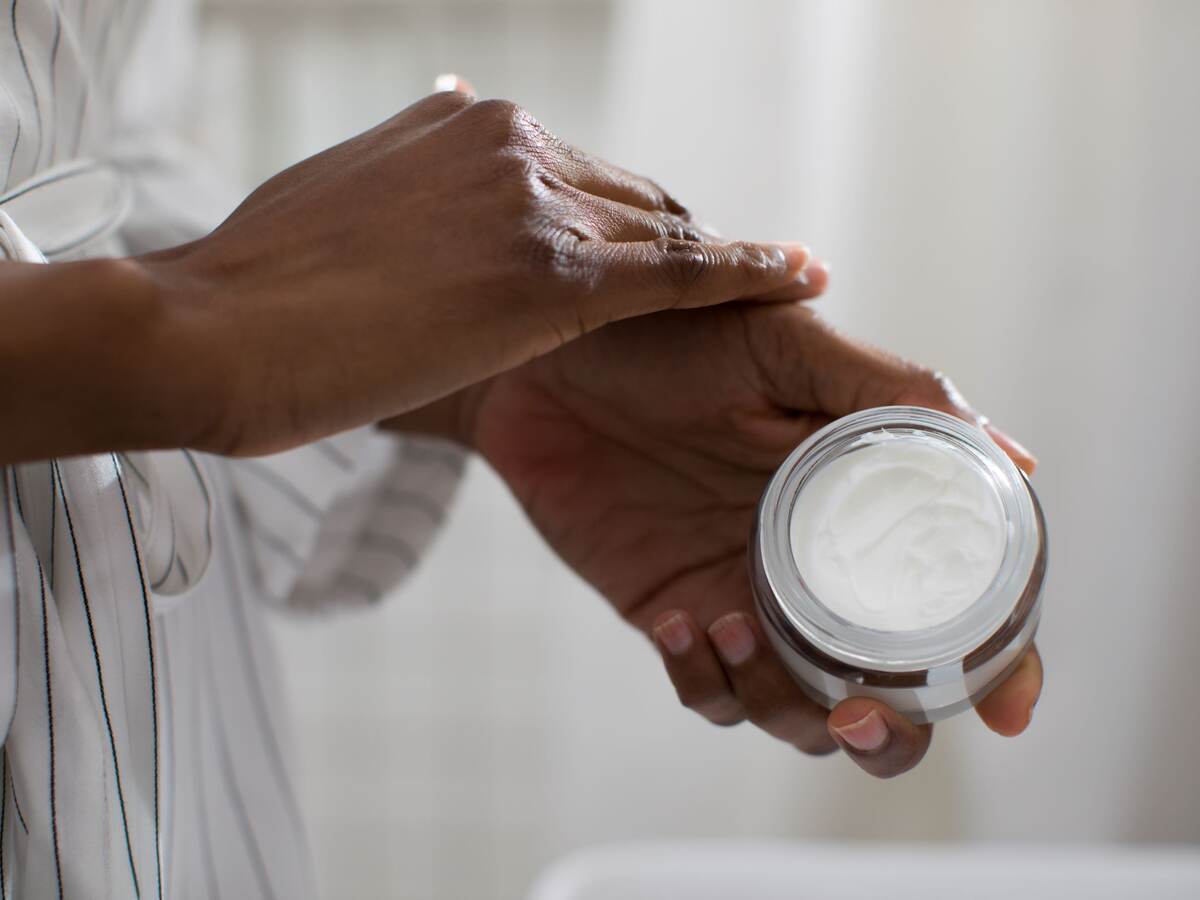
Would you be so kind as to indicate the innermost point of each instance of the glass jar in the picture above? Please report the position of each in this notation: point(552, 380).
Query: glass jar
point(926, 673)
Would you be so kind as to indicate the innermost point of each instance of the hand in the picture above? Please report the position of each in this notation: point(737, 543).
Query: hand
point(640, 453)
point(450, 243)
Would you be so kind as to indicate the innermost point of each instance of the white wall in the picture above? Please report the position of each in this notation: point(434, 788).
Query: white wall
point(1008, 191)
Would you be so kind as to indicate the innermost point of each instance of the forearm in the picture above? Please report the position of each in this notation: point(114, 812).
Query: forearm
point(96, 356)
point(452, 243)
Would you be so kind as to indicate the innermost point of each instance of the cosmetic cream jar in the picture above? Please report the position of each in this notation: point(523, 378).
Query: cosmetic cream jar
point(929, 547)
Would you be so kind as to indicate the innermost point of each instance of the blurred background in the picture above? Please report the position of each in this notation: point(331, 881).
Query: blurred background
point(1008, 191)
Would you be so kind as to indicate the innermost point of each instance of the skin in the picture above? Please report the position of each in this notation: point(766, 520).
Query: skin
point(640, 453)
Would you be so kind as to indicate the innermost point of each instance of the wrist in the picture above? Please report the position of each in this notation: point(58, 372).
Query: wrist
point(97, 355)
point(179, 355)
point(451, 418)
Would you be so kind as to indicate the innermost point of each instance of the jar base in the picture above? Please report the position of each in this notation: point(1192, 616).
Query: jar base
point(905, 701)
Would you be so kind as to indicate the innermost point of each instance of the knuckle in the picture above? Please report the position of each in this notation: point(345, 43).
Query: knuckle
point(497, 110)
point(545, 180)
point(670, 204)
point(448, 102)
point(661, 201)
point(519, 172)
point(533, 193)
point(503, 122)
point(722, 710)
point(755, 261)
point(656, 196)
point(684, 263)
point(550, 250)
point(673, 227)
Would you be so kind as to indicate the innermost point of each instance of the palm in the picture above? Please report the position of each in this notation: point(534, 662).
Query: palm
point(640, 452)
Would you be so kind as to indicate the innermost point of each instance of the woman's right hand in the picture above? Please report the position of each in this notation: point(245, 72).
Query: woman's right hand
point(454, 241)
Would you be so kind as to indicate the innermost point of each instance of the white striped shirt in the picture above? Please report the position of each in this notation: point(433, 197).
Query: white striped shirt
point(143, 750)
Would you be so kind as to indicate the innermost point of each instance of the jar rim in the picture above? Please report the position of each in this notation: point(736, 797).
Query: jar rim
point(931, 647)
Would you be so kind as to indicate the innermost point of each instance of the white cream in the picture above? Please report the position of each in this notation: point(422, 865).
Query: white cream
point(903, 532)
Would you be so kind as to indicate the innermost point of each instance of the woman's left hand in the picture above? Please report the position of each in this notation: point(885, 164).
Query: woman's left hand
point(640, 453)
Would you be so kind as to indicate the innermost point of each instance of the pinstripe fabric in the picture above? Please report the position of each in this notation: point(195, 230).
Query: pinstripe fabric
point(145, 747)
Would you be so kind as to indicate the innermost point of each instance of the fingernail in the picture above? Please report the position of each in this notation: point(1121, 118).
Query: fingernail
point(1021, 456)
point(734, 639)
point(812, 269)
point(867, 735)
point(675, 635)
point(796, 256)
point(446, 82)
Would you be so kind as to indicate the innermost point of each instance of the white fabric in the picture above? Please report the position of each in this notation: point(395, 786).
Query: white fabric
point(773, 870)
point(143, 752)
point(69, 206)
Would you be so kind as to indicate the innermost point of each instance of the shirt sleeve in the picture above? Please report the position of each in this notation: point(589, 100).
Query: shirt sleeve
point(345, 520)
point(14, 245)
point(10, 592)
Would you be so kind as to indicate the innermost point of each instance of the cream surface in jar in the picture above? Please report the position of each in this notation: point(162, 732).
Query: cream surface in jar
point(899, 554)
point(903, 533)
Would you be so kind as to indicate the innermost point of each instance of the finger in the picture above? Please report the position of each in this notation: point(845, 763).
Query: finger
point(692, 667)
point(448, 81)
point(1016, 451)
point(1008, 709)
point(770, 696)
point(935, 390)
point(649, 276)
point(603, 179)
point(626, 224)
point(839, 375)
point(629, 224)
point(810, 284)
point(620, 222)
point(881, 742)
